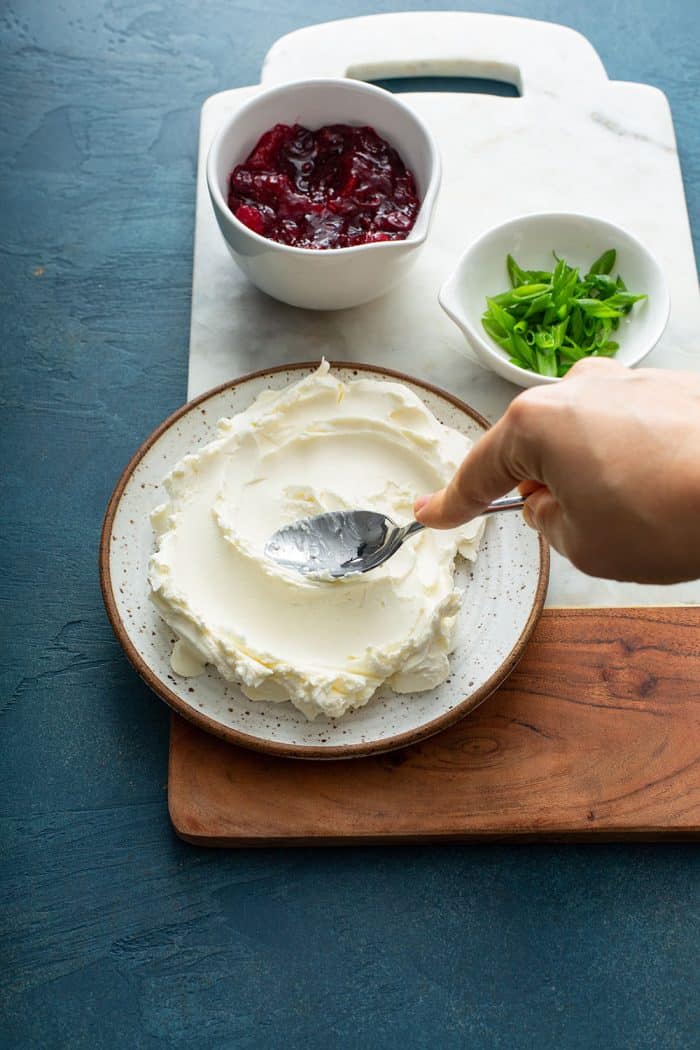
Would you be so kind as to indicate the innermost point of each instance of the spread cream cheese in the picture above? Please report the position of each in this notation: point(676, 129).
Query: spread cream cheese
point(318, 445)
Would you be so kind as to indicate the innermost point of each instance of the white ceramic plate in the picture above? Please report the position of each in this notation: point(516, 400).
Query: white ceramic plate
point(504, 595)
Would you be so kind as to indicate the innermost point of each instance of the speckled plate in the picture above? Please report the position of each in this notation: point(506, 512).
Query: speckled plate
point(504, 595)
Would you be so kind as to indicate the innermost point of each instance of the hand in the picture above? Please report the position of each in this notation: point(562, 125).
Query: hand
point(609, 460)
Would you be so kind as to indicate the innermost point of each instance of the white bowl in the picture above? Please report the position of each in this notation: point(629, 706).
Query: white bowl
point(328, 279)
point(530, 239)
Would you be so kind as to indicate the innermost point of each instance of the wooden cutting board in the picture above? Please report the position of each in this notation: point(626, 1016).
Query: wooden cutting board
point(596, 735)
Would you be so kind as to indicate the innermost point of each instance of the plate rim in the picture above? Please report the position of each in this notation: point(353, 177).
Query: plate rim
point(237, 736)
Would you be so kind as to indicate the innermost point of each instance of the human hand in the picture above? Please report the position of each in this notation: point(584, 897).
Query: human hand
point(609, 460)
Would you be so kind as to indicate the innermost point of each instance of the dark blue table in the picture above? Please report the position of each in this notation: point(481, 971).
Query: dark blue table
point(114, 932)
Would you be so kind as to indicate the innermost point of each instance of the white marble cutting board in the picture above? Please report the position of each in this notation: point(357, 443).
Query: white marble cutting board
point(574, 141)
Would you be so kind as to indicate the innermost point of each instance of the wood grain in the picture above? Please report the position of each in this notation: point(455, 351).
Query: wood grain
point(595, 735)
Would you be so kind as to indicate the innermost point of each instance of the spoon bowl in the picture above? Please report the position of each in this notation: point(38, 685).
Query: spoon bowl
point(343, 543)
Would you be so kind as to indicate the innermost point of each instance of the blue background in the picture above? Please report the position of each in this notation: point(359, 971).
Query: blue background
point(114, 932)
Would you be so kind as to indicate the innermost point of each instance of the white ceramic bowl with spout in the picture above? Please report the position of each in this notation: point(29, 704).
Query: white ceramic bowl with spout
point(531, 239)
point(334, 278)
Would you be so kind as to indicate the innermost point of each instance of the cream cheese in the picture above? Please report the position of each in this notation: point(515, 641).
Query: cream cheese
point(326, 646)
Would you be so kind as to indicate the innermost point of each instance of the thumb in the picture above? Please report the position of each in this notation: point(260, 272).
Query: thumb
point(432, 510)
point(500, 459)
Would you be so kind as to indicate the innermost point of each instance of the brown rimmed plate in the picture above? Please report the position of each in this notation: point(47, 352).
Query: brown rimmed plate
point(504, 593)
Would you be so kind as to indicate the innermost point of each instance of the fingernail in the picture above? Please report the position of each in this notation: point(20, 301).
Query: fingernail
point(422, 502)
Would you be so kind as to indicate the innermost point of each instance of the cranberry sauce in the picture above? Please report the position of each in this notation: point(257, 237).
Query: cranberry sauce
point(330, 188)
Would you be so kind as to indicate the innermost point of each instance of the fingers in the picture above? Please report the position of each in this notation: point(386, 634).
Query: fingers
point(543, 513)
point(443, 510)
point(483, 476)
point(508, 453)
point(511, 452)
point(526, 488)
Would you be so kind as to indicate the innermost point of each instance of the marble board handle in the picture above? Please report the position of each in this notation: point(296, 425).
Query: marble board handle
point(534, 56)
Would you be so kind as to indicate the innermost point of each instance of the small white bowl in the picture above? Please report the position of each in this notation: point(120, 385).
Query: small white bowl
point(335, 278)
point(530, 239)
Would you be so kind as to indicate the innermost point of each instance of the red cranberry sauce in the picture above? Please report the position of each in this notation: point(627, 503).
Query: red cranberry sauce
point(330, 188)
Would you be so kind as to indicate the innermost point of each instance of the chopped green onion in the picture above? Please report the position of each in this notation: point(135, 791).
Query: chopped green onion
point(548, 321)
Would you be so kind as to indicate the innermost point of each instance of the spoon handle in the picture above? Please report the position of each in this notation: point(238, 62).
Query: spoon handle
point(409, 530)
point(508, 503)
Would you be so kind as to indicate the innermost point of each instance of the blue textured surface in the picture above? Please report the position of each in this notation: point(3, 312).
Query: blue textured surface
point(115, 933)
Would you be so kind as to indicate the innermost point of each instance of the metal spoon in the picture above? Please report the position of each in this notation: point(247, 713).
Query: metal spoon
point(343, 542)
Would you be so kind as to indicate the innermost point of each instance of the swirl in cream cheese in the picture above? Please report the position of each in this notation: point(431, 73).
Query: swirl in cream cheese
point(327, 646)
